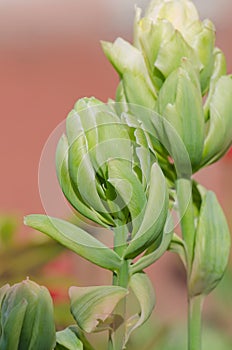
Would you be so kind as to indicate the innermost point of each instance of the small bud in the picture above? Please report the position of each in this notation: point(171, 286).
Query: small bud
point(27, 318)
point(219, 126)
point(212, 247)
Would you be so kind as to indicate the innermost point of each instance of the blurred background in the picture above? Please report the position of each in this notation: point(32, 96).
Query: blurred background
point(50, 56)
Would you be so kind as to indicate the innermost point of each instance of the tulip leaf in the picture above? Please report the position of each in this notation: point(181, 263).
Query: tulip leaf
point(92, 307)
point(67, 340)
point(75, 239)
point(144, 292)
point(212, 247)
point(154, 216)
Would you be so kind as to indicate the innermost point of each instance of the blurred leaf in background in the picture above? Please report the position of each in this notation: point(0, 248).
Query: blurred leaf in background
point(31, 257)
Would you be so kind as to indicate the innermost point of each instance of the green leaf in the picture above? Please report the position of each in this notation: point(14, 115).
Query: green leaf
point(68, 340)
point(92, 307)
point(144, 292)
point(154, 216)
point(212, 247)
point(75, 239)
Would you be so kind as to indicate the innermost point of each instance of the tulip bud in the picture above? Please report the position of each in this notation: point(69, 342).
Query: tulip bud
point(181, 13)
point(104, 168)
point(180, 103)
point(27, 318)
point(171, 65)
point(175, 31)
point(212, 247)
point(163, 48)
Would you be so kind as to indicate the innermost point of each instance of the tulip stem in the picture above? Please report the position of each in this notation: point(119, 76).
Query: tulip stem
point(120, 239)
point(194, 322)
point(120, 278)
point(186, 212)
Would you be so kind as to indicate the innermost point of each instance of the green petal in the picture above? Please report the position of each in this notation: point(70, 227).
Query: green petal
point(219, 135)
point(137, 91)
point(126, 58)
point(70, 193)
point(218, 71)
point(82, 173)
point(180, 102)
point(150, 257)
point(129, 188)
point(154, 216)
point(172, 52)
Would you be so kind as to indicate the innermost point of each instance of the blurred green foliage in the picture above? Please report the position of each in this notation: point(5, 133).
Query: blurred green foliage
point(28, 257)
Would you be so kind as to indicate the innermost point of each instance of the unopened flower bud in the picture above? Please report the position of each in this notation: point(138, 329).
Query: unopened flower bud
point(212, 247)
point(26, 317)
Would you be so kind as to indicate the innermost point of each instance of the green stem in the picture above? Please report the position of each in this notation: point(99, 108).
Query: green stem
point(194, 323)
point(120, 278)
point(186, 212)
point(120, 239)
